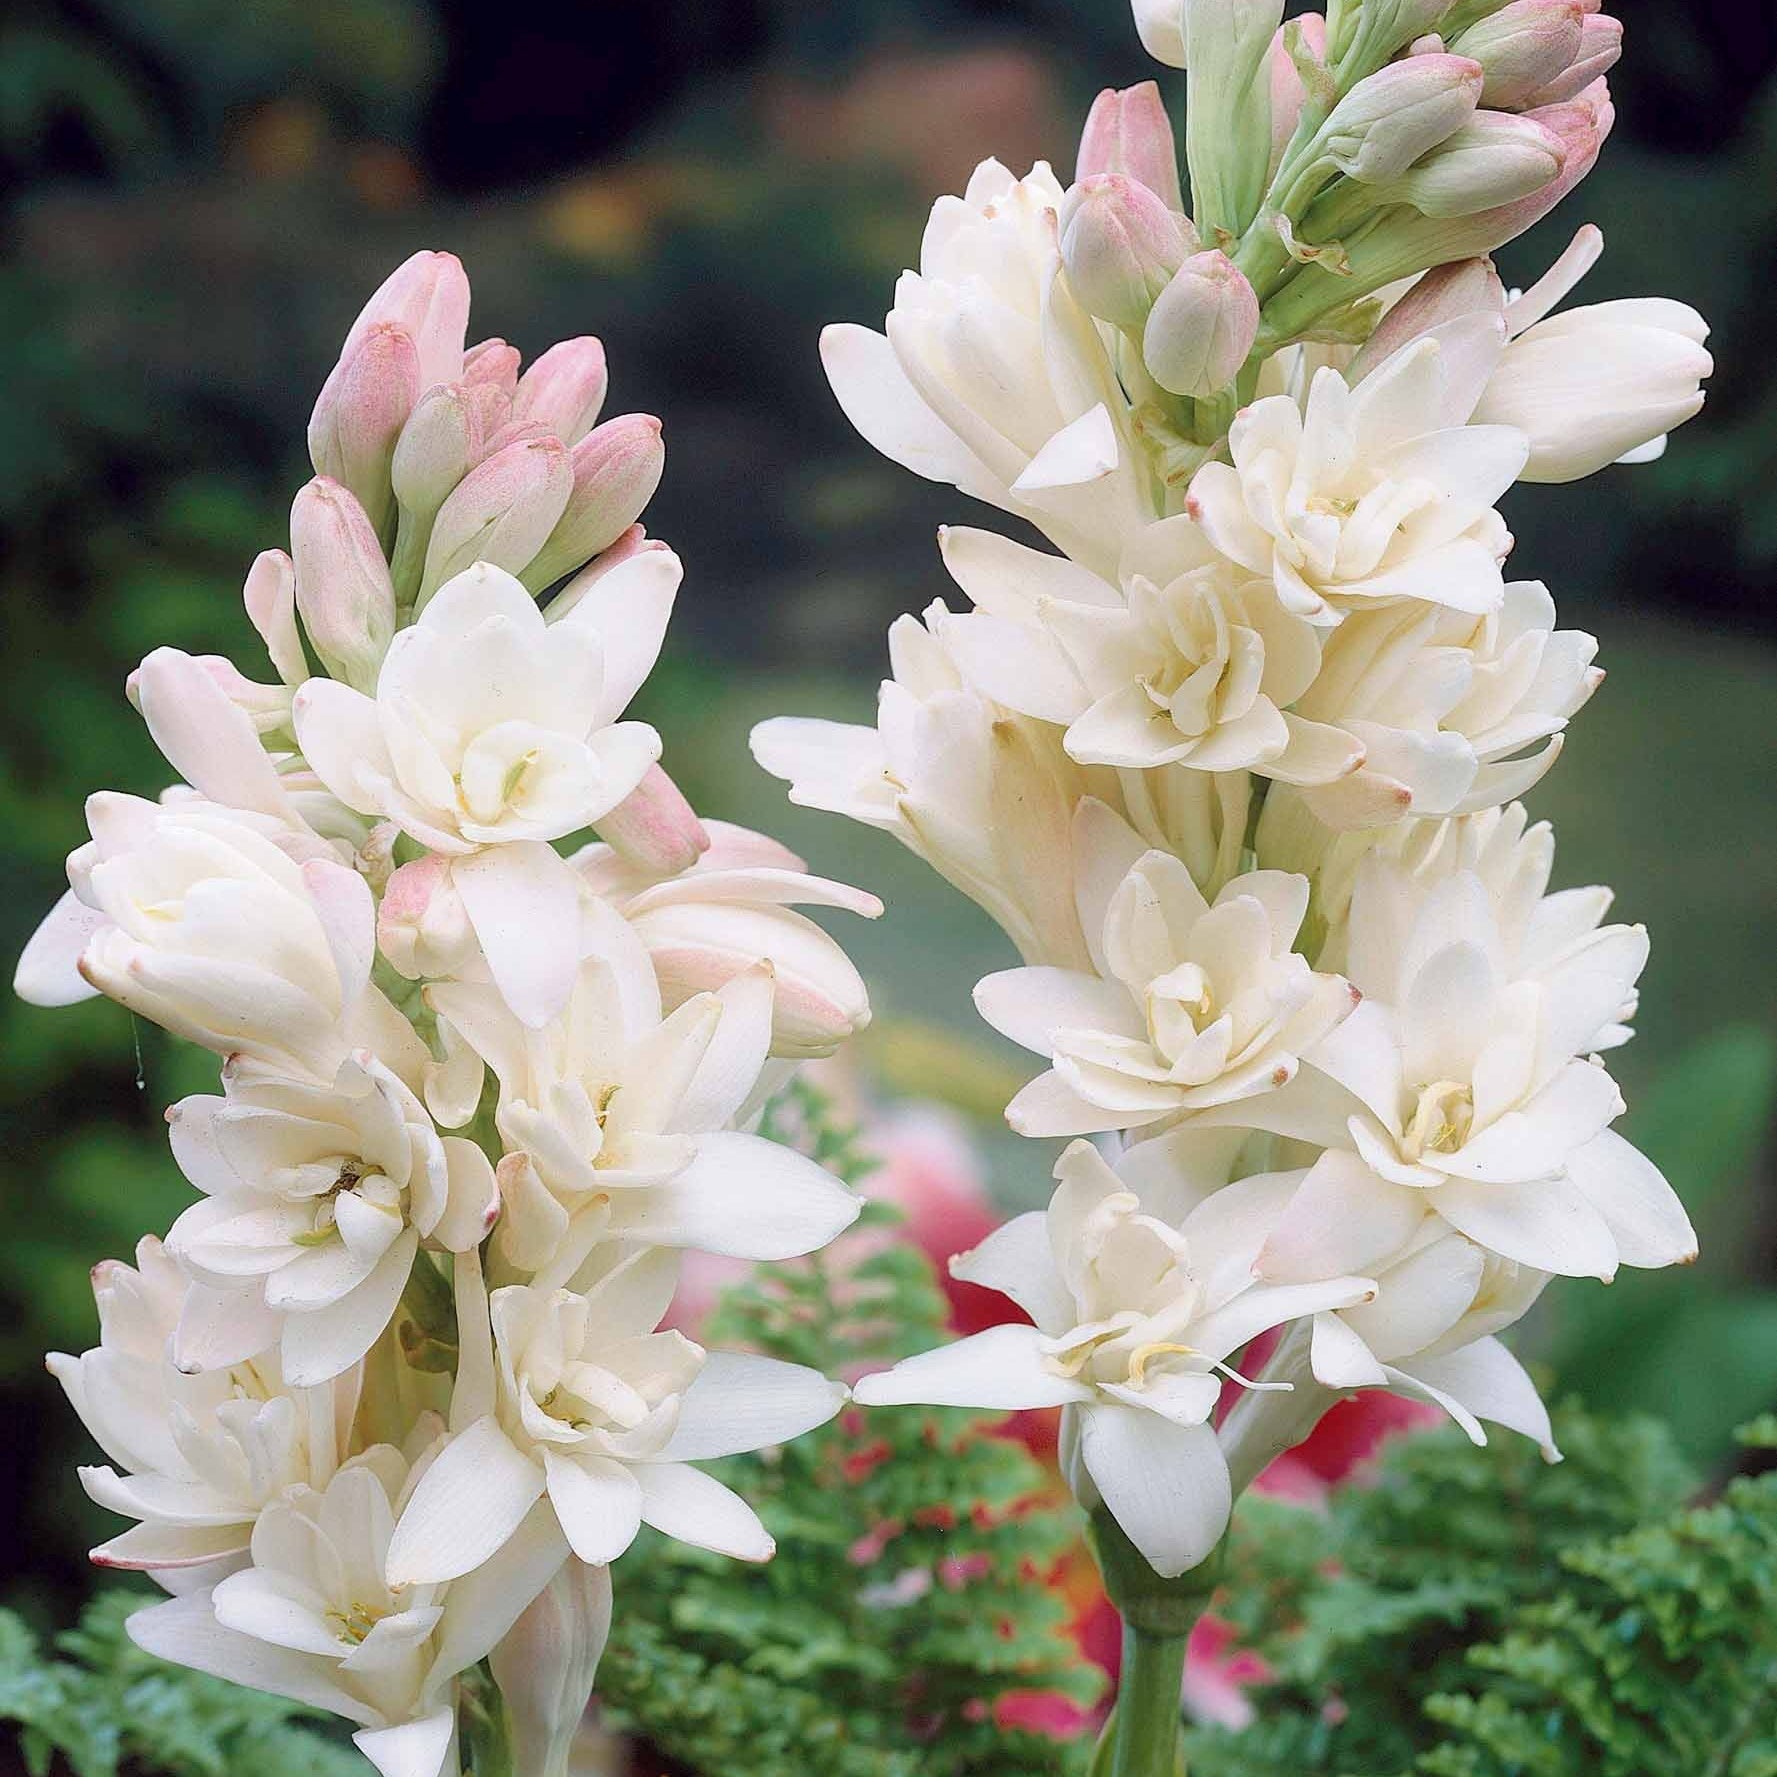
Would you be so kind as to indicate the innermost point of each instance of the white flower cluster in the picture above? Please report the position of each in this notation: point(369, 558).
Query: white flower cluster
point(1235, 770)
point(392, 1393)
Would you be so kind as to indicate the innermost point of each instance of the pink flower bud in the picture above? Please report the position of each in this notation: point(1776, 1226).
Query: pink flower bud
point(1522, 47)
point(654, 827)
point(564, 389)
point(1581, 124)
point(1494, 159)
point(1387, 121)
point(501, 512)
point(616, 468)
point(270, 597)
point(1128, 131)
point(1287, 91)
point(492, 361)
point(422, 927)
point(343, 588)
point(428, 294)
point(1121, 245)
point(1465, 287)
point(360, 413)
point(1202, 326)
point(1601, 44)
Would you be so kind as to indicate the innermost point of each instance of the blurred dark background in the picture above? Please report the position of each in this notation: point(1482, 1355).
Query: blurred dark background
point(200, 194)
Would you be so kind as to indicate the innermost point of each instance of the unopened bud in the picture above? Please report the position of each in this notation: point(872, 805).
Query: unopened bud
point(422, 927)
point(428, 294)
point(1228, 108)
point(1121, 245)
point(1160, 26)
point(1128, 131)
point(654, 827)
point(270, 597)
point(616, 468)
point(343, 588)
point(439, 445)
point(1601, 44)
point(501, 512)
point(1391, 118)
point(360, 412)
point(1522, 47)
point(492, 361)
point(1202, 326)
point(564, 389)
point(1495, 158)
point(1304, 37)
point(546, 1664)
point(1466, 287)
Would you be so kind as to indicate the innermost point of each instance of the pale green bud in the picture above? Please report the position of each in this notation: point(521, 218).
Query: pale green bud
point(1202, 327)
point(1228, 108)
point(1495, 158)
point(1389, 120)
point(1522, 47)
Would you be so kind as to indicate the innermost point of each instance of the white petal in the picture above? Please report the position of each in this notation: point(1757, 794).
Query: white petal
point(1343, 1220)
point(318, 1346)
point(1083, 450)
point(1015, 1259)
point(473, 1497)
point(481, 1606)
point(1340, 1358)
point(414, 1749)
point(683, 1502)
point(1420, 1299)
point(46, 974)
point(1166, 1485)
point(1547, 1223)
point(628, 607)
point(1643, 1212)
point(524, 901)
point(1031, 1005)
point(1492, 1385)
point(1003, 1368)
point(599, 1504)
point(883, 405)
point(741, 1402)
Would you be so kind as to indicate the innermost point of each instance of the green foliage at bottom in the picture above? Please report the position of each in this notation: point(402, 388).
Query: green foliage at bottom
point(1477, 1614)
point(106, 1707)
point(907, 1595)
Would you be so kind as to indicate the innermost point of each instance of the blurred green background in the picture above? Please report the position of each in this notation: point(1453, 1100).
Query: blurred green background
point(202, 193)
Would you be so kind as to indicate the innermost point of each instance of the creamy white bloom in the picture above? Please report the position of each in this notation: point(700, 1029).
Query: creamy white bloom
point(313, 1617)
point(978, 790)
point(1473, 1095)
point(201, 1455)
point(493, 732)
point(1189, 661)
point(1447, 705)
point(199, 918)
point(1135, 1319)
point(606, 1416)
point(993, 378)
point(731, 910)
point(1190, 1005)
point(617, 1121)
point(316, 1201)
point(1366, 495)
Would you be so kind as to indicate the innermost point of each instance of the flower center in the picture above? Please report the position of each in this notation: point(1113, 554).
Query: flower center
point(355, 1622)
point(1441, 1119)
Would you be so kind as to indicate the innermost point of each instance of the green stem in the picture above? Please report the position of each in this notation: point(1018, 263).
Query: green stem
point(1147, 1722)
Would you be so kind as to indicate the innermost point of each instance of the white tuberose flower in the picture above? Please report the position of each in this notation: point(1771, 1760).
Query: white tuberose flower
point(606, 1416)
point(202, 1454)
point(1135, 1319)
point(1192, 1005)
point(316, 1201)
point(1467, 1091)
point(616, 1120)
point(493, 732)
point(314, 1617)
point(1366, 495)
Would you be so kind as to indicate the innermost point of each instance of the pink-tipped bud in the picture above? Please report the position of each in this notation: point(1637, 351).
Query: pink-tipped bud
point(1202, 326)
point(1601, 44)
point(270, 597)
point(654, 827)
point(1403, 111)
point(422, 927)
point(360, 413)
point(492, 361)
point(343, 588)
point(616, 468)
point(1128, 131)
point(564, 389)
point(1464, 287)
point(1121, 245)
point(501, 512)
point(1494, 159)
point(1522, 47)
point(428, 294)
point(1288, 94)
